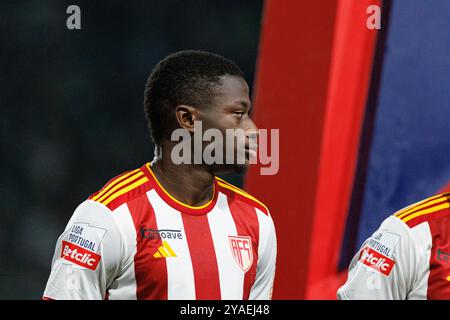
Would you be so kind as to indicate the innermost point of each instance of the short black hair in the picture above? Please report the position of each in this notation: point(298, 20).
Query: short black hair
point(186, 77)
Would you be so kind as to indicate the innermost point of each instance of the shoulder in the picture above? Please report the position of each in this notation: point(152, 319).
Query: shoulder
point(415, 225)
point(241, 196)
point(394, 229)
point(92, 213)
point(429, 209)
point(121, 189)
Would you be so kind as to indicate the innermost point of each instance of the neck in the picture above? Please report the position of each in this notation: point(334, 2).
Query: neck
point(190, 184)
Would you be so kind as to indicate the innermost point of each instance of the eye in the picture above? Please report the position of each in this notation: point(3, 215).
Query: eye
point(239, 113)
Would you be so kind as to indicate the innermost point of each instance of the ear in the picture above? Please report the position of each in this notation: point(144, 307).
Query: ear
point(186, 115)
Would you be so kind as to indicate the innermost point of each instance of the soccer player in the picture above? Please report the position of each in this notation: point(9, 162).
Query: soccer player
point(168, 231)
point(407, 258)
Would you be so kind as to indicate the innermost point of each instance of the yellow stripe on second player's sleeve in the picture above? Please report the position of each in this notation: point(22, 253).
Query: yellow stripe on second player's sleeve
point(420, 206)
point(427, 211)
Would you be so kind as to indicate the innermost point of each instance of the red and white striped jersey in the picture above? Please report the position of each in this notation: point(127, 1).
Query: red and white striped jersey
point(408, 257)
point(133, 240)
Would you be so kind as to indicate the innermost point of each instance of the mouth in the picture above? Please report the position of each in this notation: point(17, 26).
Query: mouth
point(251, 153)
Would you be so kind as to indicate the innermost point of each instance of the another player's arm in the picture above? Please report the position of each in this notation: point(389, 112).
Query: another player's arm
point(84, 267)
point(267, 250)
point(371, 277)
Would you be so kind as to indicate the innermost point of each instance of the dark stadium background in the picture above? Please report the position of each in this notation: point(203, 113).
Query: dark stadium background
point(363, 117)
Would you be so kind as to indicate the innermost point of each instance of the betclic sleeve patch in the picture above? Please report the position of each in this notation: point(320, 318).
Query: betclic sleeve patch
point(81, 245)
point(378, 252)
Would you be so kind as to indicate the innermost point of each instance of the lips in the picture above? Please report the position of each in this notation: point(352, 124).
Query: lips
point(251, 144)
point(251, 151)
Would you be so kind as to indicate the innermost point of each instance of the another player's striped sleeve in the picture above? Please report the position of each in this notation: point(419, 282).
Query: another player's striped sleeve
point(384, 267)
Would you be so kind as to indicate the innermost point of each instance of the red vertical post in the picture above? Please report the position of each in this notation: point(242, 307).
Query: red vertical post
point(290, 95)
point(350, 73)
point(313, 72)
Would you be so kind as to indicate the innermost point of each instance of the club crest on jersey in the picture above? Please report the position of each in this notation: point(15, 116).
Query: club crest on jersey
point(241, 249)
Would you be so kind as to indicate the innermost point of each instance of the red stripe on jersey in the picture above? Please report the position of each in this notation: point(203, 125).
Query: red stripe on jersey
point(203, 257)
point(246, 220)
point(438, 279)
point(150, 272)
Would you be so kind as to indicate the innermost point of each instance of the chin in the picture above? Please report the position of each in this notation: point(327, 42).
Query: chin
point(229, 168)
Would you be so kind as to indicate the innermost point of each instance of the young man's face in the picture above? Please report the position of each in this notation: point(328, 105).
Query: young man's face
point(230, 110)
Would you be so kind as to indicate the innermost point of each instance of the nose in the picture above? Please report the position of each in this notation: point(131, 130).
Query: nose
point(249, 125)
point(251, 130)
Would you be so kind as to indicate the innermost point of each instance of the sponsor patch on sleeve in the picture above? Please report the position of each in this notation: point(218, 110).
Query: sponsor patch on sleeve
point(81, 245)
point(376, 261)
point(80, 256)
point(378, 252)
point(384, 242)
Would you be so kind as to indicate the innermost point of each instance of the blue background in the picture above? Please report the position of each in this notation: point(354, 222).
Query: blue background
point(410, 155)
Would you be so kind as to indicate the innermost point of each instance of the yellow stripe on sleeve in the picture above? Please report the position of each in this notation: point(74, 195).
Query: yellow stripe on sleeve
point(120, 185)
point(420, 206)
point(106, 189)
point(242, 193)
point(125, 190)
point(427, 211)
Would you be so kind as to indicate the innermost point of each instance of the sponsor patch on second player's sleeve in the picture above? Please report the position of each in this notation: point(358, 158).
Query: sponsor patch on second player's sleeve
point(378, 252)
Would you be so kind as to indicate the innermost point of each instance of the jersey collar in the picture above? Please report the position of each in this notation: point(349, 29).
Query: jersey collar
point(176, 204)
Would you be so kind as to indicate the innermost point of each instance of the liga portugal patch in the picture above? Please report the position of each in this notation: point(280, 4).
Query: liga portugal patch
point(80, 256)
point(241, 248)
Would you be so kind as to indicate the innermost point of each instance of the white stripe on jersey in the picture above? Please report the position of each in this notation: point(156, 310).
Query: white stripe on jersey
point(421, 234)
point(180, 274)
point(222, 225)
point(126, 283)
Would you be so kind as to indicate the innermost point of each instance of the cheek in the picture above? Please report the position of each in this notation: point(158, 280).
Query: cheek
point(221, 122)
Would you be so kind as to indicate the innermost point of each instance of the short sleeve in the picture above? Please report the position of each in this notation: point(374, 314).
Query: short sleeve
point(267, 250)
point(384, 267)
point(87, 256)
